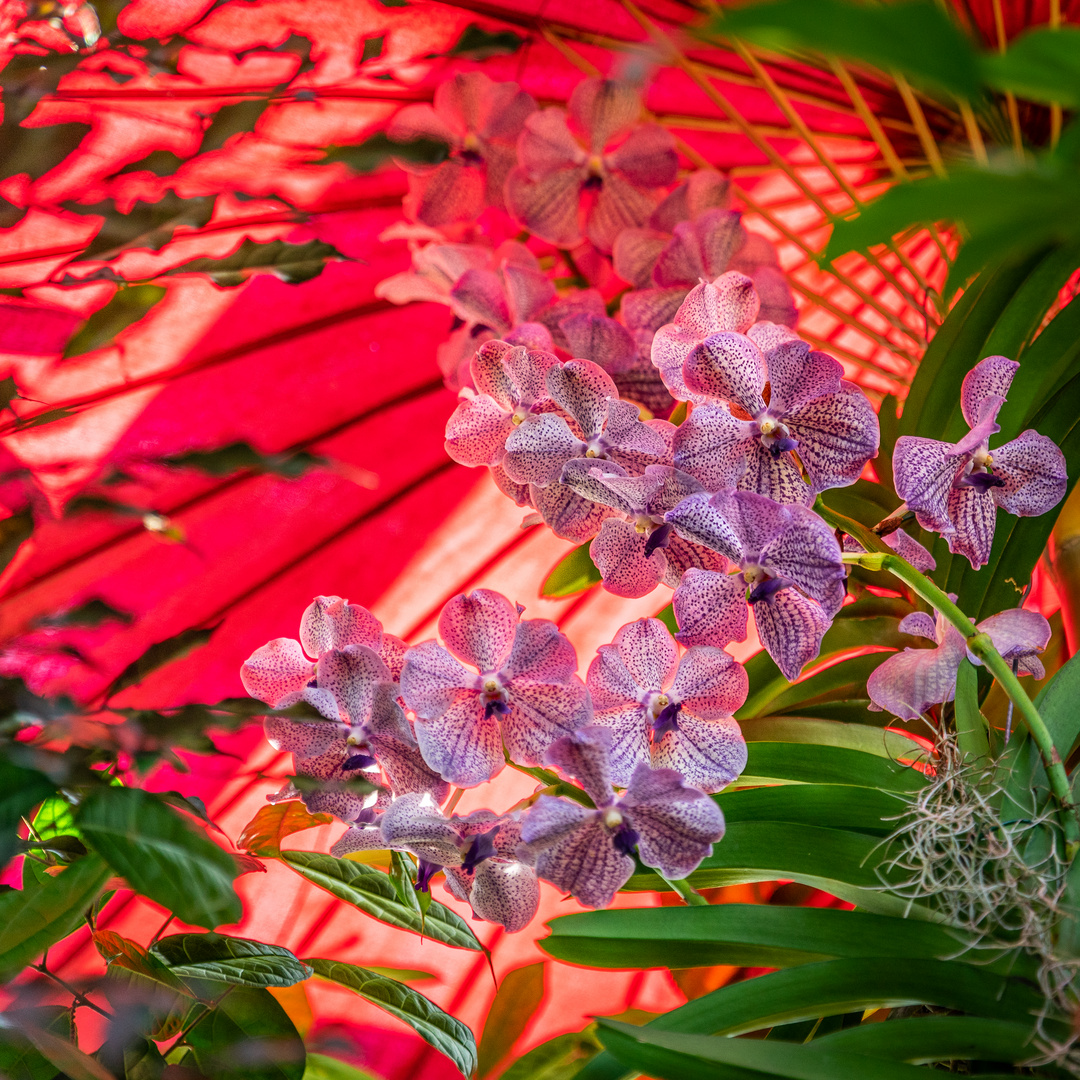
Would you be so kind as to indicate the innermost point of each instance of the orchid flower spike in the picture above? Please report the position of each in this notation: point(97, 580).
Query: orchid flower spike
point(956, 489)
point(520, 687)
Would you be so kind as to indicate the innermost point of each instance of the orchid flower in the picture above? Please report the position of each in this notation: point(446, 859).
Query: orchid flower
point(792, 576)
point(956, 489)
point(520, 688)
point(905, 546)
point(636, 551)
point(669, 712)
point(592, 179)
point(587, 852)
point(908, 683)
point(480, 121)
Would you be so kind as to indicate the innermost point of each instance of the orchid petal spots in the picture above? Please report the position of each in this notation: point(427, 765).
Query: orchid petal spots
point(630, 442)
point(755, 520)
point(541, 653)
point(649, 652)
point(358, 838)
point(604, 108)
point(584, 756)
point(490, 374)
point(299, 739)
point(546, 145)
point(677, 825)
point(671, 345)
point(392, 654)
point(912, 550)
point(528, 292)
point(462, 744)
point(505, 892)
point(1017, 634)
point(728, 367)
point(547, 205)
point(590, 481)
point(923, 472)
point(478, 297)
point(619, 554)
point(567, 514)
point(406, 771)
point(415, 823)
point(991, 377)
point(698, 519)
point(719, 234)
point(603, 340)
point(709, 683)
point(477, 431)
point(332, 623)
point(277, 672)
point(1035, 476)
point(737, 302)
point(540, 713)
point(712, 446)
point(681, 262)
point(837, 435)
point(768, 335)
point(584, 390)
point(710, 609)
point(919, 624)
point(798, 376)
point(647, 159)
point(537, 449)
point(431, 679)
point(708, 754)
point(479, 628)
point(973, 517)
point(629, 727)
point(610, 683)
point(682, 555)
point(790, 627)
point(635, 252)
point(776, 478)
point(806, 552)
point(519, 494)
point(908, 683)
point(352, 675)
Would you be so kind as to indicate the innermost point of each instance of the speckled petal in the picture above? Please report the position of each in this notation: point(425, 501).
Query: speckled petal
point(698, 519)
point(635, 253)
point(352, 675)
point(1034, 472)
point(912, 550)
point(973, 517)
point(546, 145)
point(790, 627)
point(303, 740)
point(919, 624)
point(406, 771)
point(806, 552)
point(646, 158)
point(671, 345)
point(727, 367)
point(601, 340)
point(708, 754)
point(479, 297)
point(923, 472)
point(431, 679)
point(629, 727)
point(540, 713)
point(490, 375)
point(479, 628)
point(462, 744)
point(710, 609)
point(392, 653)
point(990, 377)
point(358, 838)
point(541, 652)
point(712, 446)
point(798, 376)
point(332, 623)
point(908, 683)
point(619, 554)
point(476, 432)
point(585, 756)
point(610, 683)
point(631, 443)
point(720, 234)
point(777, 478)
point(277, 672)
point(754, 519)
point(709, 683)
point(568, 514)
point(737, 302)
point(649, 652)
point(1016, 633)
point(681, 262)
point(768, 335)
point(620, 204)
point(682, 555)
point(583, 389)
point(415, 823)
point(505, 892)
point(588, 477)
point(537, 449)
point(838, 434)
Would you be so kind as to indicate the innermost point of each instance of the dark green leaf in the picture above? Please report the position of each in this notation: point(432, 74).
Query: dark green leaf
point(90, 613)
point(27, 77)
point(881, 742)
point(322, 1067)
point(37, 150)
point(14, 531)
point(232, 120)
point(61, 1053)
point(292, 263)
point(516, 1001)
point(372, 892)
point(378, 150)
point(560, 1058)
point(830, 806)
point(1041, 64)
point(20, 791)
point(39, 915)
point(373, 48)
point(230, 960)
point(8, 392)
point(1057, 705)
point(917, 37)
point(448, 1035)
point(157, 656)
point(237, 456)
point(574, 573)
point(128, 305)
point(247, 1036)
point(971, 728)
point(263, 834)
point(477, 43)
point(145, 225)
point(159, 162)
point(48, 417)
point(809, 763)
point(161, 856)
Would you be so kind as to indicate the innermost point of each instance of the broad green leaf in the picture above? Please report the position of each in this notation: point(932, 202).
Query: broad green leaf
point(14, 531)
point(158, 655)
point(560, 1058)
point(161, 856)
point(263, 834)
point(169, 1005)
point(240, 456)
point(292, 263)
point(36, 150)
point(971, 729)
point(33, 918)
point(20, 791)
point(322, 1067)
point(448, 1035)
point(808, 763)
point(574, 573)
point(1057, 705)
point(20, 1059)
point(145, 225)
point(404, 974)
point(799, 730)
point(924, 1039)
point(216, 957)
point(373, 892)
point(247, 1036)
point(378, 150)
point(128, 305)
point(844, 680)
point(516, 1001)
point(1041, 65)
point(917, 38)
point(62, 1054)
point(831, 806)
point(752, 935)
point(93, 613)
point(230, 120)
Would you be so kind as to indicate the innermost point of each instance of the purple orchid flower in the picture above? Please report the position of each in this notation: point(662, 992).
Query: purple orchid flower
point(637, 551)
point(588, 852)
point(908, 683)
point(956, 489)
point(669, 712)
point(510, 383)
point(792, 576)
point(905, 546)
point(480, 121)
point(567, 188)
point(522, 689)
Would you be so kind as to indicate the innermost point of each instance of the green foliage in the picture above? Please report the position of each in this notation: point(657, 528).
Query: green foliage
point(1057, 705)
point(20, 791)
point(238, 456)
point(229, 960)
point(144, 225)
point(448, 1035)
point(476, 43)
point(557, 1059)
point(378, 150)
point(573, 574)
point(128, 305)
point(161, 856)
point(237, 119)
point(157, 656)
point(291, 263)
point(263, 834)
point(321, 1067)
point(1041, 64)
point(516, 1001)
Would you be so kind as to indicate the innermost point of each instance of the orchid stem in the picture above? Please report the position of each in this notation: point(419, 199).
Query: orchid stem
point(690, 895)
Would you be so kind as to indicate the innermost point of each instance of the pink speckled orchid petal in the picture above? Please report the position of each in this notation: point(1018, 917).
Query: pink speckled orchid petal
point(505, 892)
point(919, 624)
point(806, 552)
point(629, 727)
point(710, 609)
point(629, 442)
point(635, 253)
point(618, 205)
point(923, 472)
point(527, 291)
point(538, 448)
point(601, 340)
point(477, 431)
point(991, 377)
point(698, 519)
point(736, 303)
point(649, 652)
point(479, 628)
point(989, 408)
point(332, 623)
point(585, 757)
point(431, 679)
point(584, 390)
point(671, 345)
point(708, 754)
point(908, 548)
point(712, 446)
point(838, 434)
point(777, 305)
point(415, 823)
point(277, 672)
point(768, 335)
point(619, 554)
point(478, 296)
point(302, 740)
point(540, 713)
point(473, 102)
point(392, 653)
point(352, 675)
point(709, 683)
point(908, 683)
point(776, 478)
point(681, 262)
point(728, 367)
point(719, 235)
point(1016, 633)
point(647, 158)
point(755, 519)
point(1035, 475)
point(604, 108)
point(676, 825)
point(452, 191)
point(541, 652)
point(973, 518)
point(358, 838)
point(462, 744)
point(519, 494)
point(610, 683)
point(589, 479)
point(790, 627)
point(548, 205)
point(406, 771)
point(546, 145)
point(491, 376)
point(668, 487)
point(568, 514)
point(798, 376)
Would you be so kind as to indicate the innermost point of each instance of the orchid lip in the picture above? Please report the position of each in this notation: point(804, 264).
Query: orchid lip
point(766, 590)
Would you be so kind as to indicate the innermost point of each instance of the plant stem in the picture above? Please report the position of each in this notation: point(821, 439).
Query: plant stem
point(80, 998)
point(690, 896)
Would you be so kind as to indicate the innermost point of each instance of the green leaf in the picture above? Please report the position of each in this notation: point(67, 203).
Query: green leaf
point(92, 613)
point(263, 834)
point(750, 935)
point(379, 149)
point(373, 48)
point(37, 150)
point(373, 892)
point(917, 37)
point(971, 727)
point(230, 960)
point(516, 1001)
point(247, 1036)
point(231, 120)
point(560, 1058)
point(240, 456)
point(440, 1030)
point(476, 43)
point(20, 1059)
point(128, 305)
point(880, 742)
point(322, 1067)
point(573, 574)
point(161, 856)
point(292, 263)
point(61, 1053)
point(830, 806)
point(144, 225)
point(1057, 705)
point(20, 791)
point(157, 656)
point(39, 915)
point(404, 974)
point(1041, 64)
point(808, 763)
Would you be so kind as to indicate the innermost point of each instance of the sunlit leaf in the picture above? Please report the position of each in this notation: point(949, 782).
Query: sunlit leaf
point(516, 1001)
point(144, 225)
point(322, 1067)
point(229, 959)
point(378, 150)
point(128, 305)
point(574, 573)
point(560, 1058)
point(263, 834)
point(476, 43)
